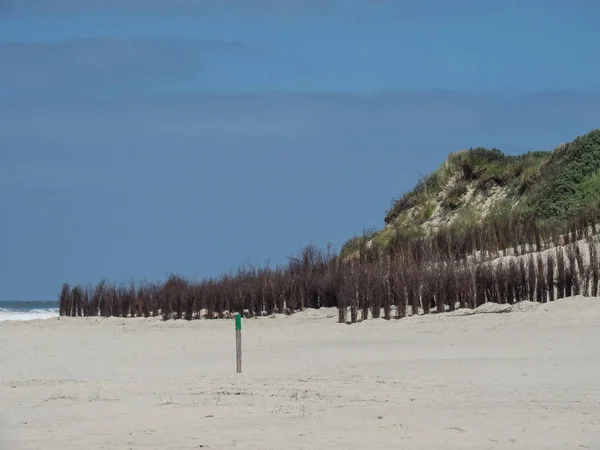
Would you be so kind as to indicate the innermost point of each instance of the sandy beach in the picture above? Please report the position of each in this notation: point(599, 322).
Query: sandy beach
point(525, 379)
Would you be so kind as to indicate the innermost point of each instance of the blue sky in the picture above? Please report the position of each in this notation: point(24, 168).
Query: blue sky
point(139, 138)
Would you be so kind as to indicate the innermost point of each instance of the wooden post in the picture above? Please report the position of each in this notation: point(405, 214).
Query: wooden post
point(238, 342)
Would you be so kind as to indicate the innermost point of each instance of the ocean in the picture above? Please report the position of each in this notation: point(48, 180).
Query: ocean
point(28, 310)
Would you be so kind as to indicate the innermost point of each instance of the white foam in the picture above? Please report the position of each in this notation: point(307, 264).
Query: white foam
point(33, 314)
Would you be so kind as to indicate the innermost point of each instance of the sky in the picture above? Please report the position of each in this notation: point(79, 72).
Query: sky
point(140, 138)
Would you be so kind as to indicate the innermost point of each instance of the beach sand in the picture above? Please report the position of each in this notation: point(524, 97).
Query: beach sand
point(526, 379)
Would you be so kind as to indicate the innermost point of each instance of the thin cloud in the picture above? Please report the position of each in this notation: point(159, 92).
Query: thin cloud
point(83, 64)
point(75, 6)
point(423, 8)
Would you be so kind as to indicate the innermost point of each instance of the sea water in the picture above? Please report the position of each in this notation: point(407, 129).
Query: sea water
point(28, 310)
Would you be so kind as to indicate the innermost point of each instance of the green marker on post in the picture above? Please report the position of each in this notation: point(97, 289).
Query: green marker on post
point(238, 342)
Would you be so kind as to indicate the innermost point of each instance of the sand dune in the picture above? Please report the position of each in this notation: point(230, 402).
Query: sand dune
point(525, 379)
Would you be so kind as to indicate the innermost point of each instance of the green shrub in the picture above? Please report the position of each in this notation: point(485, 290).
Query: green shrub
point(425, 212)
point(354, 244)
point(464, 220)
point(427, 187)
point(569, 180)
point(454, 198)
point(501, 210)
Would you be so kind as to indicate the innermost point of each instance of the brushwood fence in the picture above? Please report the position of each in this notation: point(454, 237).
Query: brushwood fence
point(413, 279)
